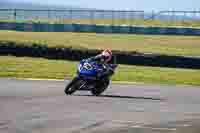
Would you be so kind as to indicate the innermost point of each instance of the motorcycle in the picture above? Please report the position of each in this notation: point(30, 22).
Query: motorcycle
point(91, 76)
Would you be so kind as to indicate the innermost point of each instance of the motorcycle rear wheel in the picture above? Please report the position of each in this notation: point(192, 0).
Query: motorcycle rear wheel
point(100, 88)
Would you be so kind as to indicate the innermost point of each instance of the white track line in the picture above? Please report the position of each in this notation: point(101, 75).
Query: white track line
point(115, 82)
point(154, 128)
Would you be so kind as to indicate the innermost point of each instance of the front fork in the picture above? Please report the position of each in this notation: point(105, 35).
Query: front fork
point(84, 85)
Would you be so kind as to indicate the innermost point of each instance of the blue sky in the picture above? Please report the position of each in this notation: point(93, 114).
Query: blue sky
point(147, 5)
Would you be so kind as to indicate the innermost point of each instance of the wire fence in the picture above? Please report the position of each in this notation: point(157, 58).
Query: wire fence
point(103, 17)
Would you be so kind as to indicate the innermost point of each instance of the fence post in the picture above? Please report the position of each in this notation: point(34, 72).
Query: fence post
point(125, 17)
point(70, 11)
point(130, 15)
point(91, 17)
point(143, 15)
point(152, 15)
point(132, 18)
point(184, 14)
point(173, 15)
point(48, 15)
point(15, 14)
point(112, 17)
point(49, 21)
point(194, 14)
point(103, 17)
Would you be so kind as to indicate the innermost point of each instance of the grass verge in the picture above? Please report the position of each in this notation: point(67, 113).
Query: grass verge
point(24, 67)
point(158, 44)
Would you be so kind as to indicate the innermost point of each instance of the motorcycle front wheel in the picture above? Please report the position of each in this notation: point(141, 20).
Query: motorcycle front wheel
point(72, 86)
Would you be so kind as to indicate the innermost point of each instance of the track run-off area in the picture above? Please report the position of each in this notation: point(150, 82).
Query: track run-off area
point(39, 106)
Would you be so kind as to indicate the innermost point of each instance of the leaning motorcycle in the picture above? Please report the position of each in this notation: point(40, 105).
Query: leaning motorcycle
point(91, 76)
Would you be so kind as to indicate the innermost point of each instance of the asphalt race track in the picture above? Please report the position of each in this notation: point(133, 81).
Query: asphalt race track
point(42, 107)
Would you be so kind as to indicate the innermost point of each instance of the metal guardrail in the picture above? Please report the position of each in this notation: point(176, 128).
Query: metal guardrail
point(177, 15)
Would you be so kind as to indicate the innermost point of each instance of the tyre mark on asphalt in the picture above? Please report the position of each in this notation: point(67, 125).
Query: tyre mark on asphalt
point(89, 127)
point(4, 124)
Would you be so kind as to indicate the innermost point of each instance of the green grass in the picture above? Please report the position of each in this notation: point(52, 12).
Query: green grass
point(138, 22)
point(170, 45)
point(24, 67)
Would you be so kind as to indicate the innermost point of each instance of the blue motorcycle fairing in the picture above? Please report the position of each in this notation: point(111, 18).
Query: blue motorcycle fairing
point(89, 69)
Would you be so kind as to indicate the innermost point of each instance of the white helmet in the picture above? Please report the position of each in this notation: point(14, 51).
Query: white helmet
point(108, 54)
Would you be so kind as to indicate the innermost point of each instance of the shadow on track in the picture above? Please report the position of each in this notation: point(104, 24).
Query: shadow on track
point(123, 97)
